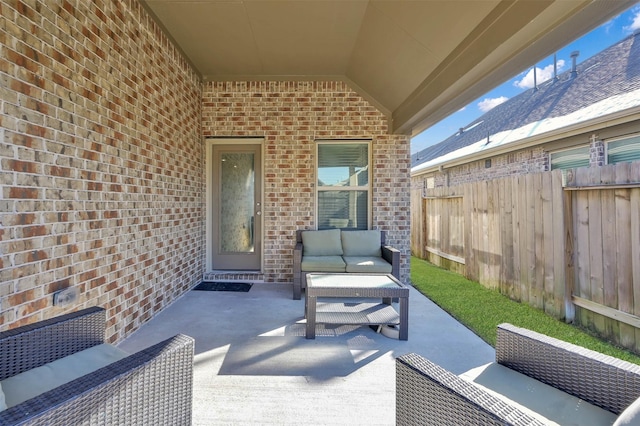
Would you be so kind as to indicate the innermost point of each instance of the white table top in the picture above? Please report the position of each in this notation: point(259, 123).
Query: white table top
point(352, 280)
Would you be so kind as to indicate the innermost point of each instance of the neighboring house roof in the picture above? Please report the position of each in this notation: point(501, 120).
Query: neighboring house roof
point(606, 83)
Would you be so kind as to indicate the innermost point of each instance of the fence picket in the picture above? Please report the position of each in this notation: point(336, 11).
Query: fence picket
point(529, 277)
point(548, 252)
point(634, 198)
point(538, 235)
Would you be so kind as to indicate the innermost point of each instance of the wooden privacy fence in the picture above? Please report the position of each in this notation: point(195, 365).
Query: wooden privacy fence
point(572, 250)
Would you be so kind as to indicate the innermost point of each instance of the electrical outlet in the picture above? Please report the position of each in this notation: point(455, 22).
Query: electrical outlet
point(65, 297)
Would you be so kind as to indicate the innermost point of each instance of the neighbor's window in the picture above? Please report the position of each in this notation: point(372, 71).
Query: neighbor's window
point(344, 184)
point(623, 150)
point(570, 158)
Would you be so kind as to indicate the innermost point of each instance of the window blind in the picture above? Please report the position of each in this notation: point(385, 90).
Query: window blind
point(570, 158)
point(623, 150)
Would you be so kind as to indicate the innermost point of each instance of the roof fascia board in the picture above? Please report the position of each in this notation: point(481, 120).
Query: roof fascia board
point(423, 109)
point(504, 21)
point(614, 131)
point(593, 125)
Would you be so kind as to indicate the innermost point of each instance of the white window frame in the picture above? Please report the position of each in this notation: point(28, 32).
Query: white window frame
point(368, 188)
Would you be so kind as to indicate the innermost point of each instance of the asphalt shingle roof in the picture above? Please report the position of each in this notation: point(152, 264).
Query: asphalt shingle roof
point(612, 72)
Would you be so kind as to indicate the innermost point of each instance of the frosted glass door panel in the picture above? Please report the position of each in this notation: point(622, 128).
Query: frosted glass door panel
point(237, 196)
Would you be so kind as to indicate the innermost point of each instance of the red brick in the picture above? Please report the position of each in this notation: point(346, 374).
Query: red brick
point(34, 231)
point(20, 298)
point(36, 255)
point(23, 193)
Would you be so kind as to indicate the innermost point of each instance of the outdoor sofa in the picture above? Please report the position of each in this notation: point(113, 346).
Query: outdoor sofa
point(60, 372)
point(340, 251)
point(536, 380)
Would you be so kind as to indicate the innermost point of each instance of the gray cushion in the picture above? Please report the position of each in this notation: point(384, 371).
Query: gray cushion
point(373, 265)
point(31, 383)
point(321, 243)
point(630, 416)
point(322, 264)
point(361, 243)
point(539, 400)
point(3, 404)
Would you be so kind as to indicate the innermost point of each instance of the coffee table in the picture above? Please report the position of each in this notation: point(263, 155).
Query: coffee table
point(362, 286)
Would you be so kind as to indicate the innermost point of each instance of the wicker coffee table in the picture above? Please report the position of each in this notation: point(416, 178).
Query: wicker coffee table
point(362, 286)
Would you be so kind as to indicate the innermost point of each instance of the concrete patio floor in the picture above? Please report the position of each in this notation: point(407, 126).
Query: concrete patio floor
point(253, 364)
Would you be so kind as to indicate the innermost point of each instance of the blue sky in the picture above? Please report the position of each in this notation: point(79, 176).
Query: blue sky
point(597, 40)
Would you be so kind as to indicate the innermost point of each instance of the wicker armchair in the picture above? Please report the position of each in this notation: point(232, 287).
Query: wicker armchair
point(151, 387)
point(427, 394)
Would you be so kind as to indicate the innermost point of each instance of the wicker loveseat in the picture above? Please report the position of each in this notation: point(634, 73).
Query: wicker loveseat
point(339, 251)
point(151, 387)
point(536, 380)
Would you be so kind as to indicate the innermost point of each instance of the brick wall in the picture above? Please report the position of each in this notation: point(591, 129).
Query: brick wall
point(597, 156)
point(101, 184)
point(533, 160)
point(291, 116)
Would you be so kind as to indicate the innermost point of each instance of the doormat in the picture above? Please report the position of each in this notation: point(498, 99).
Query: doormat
point(223, 286)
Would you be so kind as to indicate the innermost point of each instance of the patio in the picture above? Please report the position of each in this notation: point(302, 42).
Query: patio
point(253, 364)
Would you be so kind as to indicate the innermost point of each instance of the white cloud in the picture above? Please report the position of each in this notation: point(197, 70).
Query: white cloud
point(635, 25)
point(608, 25)
point(489, 103)
point(542, 75)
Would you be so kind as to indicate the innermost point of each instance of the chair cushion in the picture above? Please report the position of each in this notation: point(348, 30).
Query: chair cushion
point(321, 243)
point(3, 404)
point(322, 264)
point(630, 416)
point(34, 382)
point(552, 406)
point(373, 265)
point(361, 243)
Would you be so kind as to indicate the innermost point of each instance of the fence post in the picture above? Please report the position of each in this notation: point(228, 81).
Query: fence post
point(424, 236)
point(569, 273)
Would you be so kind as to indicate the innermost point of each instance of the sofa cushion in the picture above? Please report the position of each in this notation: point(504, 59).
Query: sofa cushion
point(322, 264)
point(361, 243)
point(322, 243)
point(542, 401)
point(630, 415)
point(31, 383)
point(373, 265)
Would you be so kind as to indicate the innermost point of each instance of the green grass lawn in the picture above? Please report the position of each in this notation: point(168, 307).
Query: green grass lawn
point(482, 309)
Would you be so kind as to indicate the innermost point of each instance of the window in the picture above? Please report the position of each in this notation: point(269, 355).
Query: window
point(430, 183)
point(570, 158)
point(344, 188)
point(622, 150)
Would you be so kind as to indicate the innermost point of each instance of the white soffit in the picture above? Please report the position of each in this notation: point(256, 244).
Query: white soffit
point(417, 60)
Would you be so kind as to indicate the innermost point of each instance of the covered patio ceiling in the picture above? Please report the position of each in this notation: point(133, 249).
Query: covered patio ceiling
point(416, 60)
